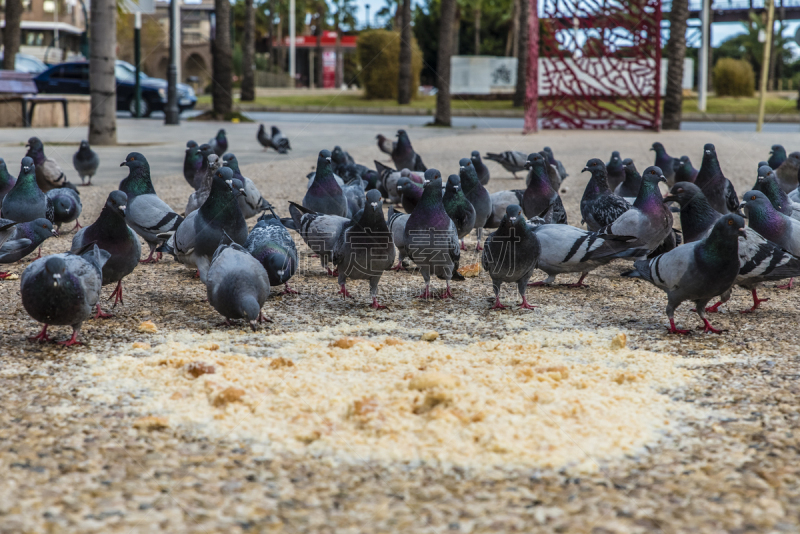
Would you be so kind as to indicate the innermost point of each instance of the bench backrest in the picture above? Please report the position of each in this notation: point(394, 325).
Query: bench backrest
point(17, 83)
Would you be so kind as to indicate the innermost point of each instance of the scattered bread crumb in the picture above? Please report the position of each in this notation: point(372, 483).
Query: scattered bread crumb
point(151, 422)
point(469, 271)
point(140, 345)
point(148, 327)
point(228, 395)
point(200, 368)
point(619, 341)
point(280, 361)
point(431, 380)
point(346, 342)
point(430, 336)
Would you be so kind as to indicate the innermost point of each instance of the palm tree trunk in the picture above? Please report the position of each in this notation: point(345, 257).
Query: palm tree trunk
point(102, 83)
point(676, 52)
point(248, 53)
point(511, 46)
point(478, 28)
point(11, 33)
point(318, 75)
point(404, 76)
point(456, 30)
point(339, 62)
point(443, 63)
point(522, 54)
point(221, 91)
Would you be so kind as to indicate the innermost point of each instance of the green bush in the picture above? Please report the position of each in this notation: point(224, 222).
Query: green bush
point(379, 56)
point(734, 77)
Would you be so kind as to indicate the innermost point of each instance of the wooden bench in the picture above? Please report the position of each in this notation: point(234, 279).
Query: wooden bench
point(22, 86)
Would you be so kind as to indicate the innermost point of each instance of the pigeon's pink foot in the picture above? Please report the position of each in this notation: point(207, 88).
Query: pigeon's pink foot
point(447, 293)
point(673, 330)
point(289, 291)
point(263, 318)
point(478, 247)
point(196, 274)
point(117, 294)
point(4, 275)
point(398, 267)
point(151, 259)
point(536, 284)
point(334, 272)
point(525, 305)
point(375, 305)
point(714, 308)
point(41, 336)
point(101, 315)
point(463, 246)
point(72, 340)
point(708, 328)
point(579, 283)
point(497, 305)
point(77, 226)
point(425, 294)
point(787, 286)
point(40, 253)
point(343, 292)
point(756, 303)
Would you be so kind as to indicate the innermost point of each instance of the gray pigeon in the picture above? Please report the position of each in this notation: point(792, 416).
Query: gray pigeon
point(325, 195)
point(480, 167)
point(146, 214)
point(394, 178)
point(63, 289)
point(410, 193)
point(85, 161)
point(566, 249)
point(616, 174)
point(355, 195)
point(562, 172)
point(458, 208)
point(7, 181)
point(319, 231)
point(270, 243)
point(385, 145)
point(599, 206)
point(718, 190)
point(550, 171)
point(110, 233)
point(430, 236)
point(477, 195)
point(770, 223)
point(629, 188)
point(67, 206)
point(511, 160)
point(767, 183)
point(365, 249)
point(540, 198)
point(237, 285)
point(192, 162)
point(696, 215)
point(697, 271)
point(776, 156)
point(26, 238)
point(397, 226)
point(197, 198)
point(48, 173)
point(787, 172)
point(665, 162)
point(276, 140)
point(26, 201)
point(510, 254)
point(404, 156)
point(251, 203)
point(219, 144)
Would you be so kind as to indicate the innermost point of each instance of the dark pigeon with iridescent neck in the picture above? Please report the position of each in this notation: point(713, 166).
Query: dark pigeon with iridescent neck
point(787, 172)
point(325, 195)
point(776, 156)
point(599, 206)
point(616, 174)
point(252, 202)
point(629, 188)
point(718, 190)
point(219, 144)
point(551, 159)
point(767, 183)
point(684, 171)
point(67, 206)
point(477, 195)
point(404, 156)
point(26, 238)
point(26, 201)
point(192, 162)
point(410, 193)
point(7, 181)
point(696, 215)
point(270, 243)
point(665, 162)
point(771, 223)
point(458, 207)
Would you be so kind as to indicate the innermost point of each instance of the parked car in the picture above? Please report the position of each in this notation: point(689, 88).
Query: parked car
point(27, 63)
point(73, 78)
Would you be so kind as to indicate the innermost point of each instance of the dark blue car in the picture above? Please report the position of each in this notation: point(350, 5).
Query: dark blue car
point(73, 79)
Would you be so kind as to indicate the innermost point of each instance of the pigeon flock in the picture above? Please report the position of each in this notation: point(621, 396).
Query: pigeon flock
point(341, 219)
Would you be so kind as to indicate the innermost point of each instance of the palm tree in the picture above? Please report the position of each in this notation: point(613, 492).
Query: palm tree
point(11, 32)
point(522, 54)
point(248, 53)
point(102, 82)
point(391, 13)
point(476, 13)
point(676, 52)
point(222, 69)
point(404, 76)
point(345, 16)
point(442, 117)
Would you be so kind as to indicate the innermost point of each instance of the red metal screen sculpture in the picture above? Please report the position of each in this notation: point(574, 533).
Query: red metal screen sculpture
point(599, 65)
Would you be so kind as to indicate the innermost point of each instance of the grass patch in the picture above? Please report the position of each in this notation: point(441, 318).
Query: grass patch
point(742, 105)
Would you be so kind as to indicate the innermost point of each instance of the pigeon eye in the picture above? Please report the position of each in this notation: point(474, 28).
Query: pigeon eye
point(730, 222)
point(753, 197)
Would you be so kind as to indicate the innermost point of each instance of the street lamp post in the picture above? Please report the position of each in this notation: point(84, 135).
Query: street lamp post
point(137, 60)
point(172, 113)
point(292, 35)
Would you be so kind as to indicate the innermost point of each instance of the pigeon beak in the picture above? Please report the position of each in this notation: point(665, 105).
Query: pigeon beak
point(708, 152)
point(742, 231)
point(651, 148)
point(280, 272)
point(461, 168)
point(374, 204)
point(512, 219)
point(123, 163)
point(122, 210)
point(456, 187)
point(229, 182)
point(254, 325)
point(586, 169)
point(241, 191)
point(56, 279)
point(329, 159)
point(662, 178)
point(55, 233)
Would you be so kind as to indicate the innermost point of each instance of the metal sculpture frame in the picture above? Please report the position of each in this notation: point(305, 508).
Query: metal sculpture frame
point(594, 64)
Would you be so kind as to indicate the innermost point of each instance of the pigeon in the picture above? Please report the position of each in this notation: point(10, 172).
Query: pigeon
point(458, 208)
point(410, 193)
point(365, 249)
point(385, 145)
point(48, 173)
point(276, 141)
point(696, 215)
point(26, 201)
point(219, 144)
point(396, 221)
point(767, 183)
point(511, 160)
point(319, 231)
point(394, 178)
point(566, 249)
point(85, 161)
point(110, 233)
point(340, 159)
point(684, 172)
point(203, 152)
point(718, 190)
point(63, 289)
point(430, 236)
point(698, 271)
point(197, 198)
point(7, 181)
point(776, 156)
point(237, 285)
point(599, 206)
point(551, 159)
point(477, 195)
point(629, 188)
point(354, 193)
point(616, 174)
point(251, 203)
point(352, 171)
point(325, 195)
point(270, 243)
point(67, 206)
point(25, 238)
point(384, 173)
point(665, 162)
point(551, 171)
point(648, 220)
point(146, 214)
point(192, 162)
point(510, 254)
point(404, 156)
point(771, 223)
point(787, 172)
point(480, 167)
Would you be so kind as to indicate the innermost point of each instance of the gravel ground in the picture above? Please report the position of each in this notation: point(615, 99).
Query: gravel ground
point(73, 465)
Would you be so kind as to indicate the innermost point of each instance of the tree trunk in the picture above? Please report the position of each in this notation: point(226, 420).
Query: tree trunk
point(676, 52)
point(222, 70)
point(443, 62)
point(248, 53)
point(522, 53)
point(318, 75)
point(456, 30)
point(511, 43)
point(478, 28)
point(11, 33)
point(102, 82)
point(281, 50)
point(404, 77)
point(397, 23)
point(339, 62)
